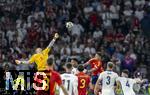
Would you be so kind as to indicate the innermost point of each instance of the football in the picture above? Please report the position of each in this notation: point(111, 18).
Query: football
point(69, 25)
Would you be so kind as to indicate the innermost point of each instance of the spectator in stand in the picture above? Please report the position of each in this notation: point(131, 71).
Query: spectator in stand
point(128, 63)
point(119, 35)
point(77, 28)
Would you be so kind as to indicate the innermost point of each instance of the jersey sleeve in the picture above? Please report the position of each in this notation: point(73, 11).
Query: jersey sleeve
point(32, 59)
point(58, 80)
point(46, 51)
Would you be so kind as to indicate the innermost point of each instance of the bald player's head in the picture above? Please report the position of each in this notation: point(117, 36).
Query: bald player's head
point(38, 50)
point(110, 65)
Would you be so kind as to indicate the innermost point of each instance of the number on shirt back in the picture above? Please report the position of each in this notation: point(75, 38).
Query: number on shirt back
point(127, 83)
point(68, 83)
point(82, 81)
point(108, 80)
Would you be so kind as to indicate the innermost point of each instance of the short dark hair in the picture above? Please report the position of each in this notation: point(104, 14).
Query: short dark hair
point(50, 61)
point(110, 65)
point(80, 68)
point(126, 71)
point(68, 65)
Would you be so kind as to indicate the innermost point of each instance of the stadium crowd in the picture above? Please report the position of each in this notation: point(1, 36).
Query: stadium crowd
point(117, 29)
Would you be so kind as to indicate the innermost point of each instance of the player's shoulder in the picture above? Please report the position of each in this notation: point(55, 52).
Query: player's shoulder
point(122, 79)
point(104, 72)
point(68, 75)
point(115, 73)
point(134, 79)
point(109, 72)
point(72, 75)
point(62, 75)
point(119, 78)
point(54, 73)
point(82, 75)
point(35, 55)
point(87, 76)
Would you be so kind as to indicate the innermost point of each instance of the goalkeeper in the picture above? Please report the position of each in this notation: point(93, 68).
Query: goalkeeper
point(41, 56)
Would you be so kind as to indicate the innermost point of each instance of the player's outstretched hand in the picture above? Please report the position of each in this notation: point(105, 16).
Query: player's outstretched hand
point(17, 61)
point(56, 36)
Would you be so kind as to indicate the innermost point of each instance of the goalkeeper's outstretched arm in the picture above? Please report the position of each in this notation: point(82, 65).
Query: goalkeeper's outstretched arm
point(19, 62)
point(32, 58)
point(53, 40)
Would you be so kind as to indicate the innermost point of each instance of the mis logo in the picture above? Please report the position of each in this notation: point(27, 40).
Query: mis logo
point(25, 81)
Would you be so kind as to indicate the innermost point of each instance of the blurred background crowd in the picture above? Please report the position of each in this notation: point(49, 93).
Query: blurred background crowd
point(117, 29)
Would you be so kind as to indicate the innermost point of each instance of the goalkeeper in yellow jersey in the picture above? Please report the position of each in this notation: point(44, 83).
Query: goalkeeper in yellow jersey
point(41, 56)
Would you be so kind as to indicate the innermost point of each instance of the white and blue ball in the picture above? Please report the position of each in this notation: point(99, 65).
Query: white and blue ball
point(69, 25)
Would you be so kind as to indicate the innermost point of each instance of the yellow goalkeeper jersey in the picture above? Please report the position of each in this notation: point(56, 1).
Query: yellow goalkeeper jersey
point(40, 59)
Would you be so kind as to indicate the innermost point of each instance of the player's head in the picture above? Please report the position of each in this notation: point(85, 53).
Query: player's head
point(110, 66)
point(125, 73)
point(38, 50)
point(50, 62)
point(97, 56)
point(74, 62)
point(80, 68)
point(68, 67)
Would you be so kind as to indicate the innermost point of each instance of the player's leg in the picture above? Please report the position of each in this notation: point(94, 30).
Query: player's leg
point(93, 82)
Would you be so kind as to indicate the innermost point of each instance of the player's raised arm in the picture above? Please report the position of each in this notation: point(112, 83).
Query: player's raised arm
point(19, 62)
point(38, 51)
point(26, 62)
point(46, 51)
point(53, 40)
point(87, 63)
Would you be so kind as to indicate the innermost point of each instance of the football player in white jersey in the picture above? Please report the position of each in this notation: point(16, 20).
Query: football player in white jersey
point(107, 80)
point(126, 84)
point(70, 81)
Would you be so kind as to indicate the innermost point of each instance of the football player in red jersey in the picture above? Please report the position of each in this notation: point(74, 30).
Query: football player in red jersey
point(96, 68)
point(83, 81)
point(55, 79)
